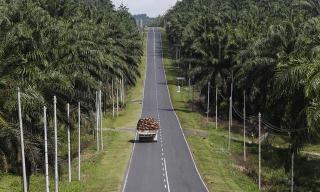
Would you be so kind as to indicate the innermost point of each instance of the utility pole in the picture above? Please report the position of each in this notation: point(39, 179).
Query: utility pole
point(46, 148)
point(216, 107)
point(192, 97)
point(231, 98)
point(189, 80)
point(117, 98)
point(244, 126)
point(292, 169)
point(112, 92)
point(123, 96)
point(69, 143)
point(79, 143)
point(120, 92)
point(101, 116)
point(56, 173)
point(230, 108)
point(24, 174)
point(292, 166)
point(97, 121)
point(208, 104)
point(259, 151)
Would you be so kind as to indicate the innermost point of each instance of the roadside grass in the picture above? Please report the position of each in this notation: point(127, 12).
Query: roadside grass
point(225, 170)
point(100, 171)
point(211, 154)
point(312, 148)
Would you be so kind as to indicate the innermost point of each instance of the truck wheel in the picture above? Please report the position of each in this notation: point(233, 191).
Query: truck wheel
point(155, 138)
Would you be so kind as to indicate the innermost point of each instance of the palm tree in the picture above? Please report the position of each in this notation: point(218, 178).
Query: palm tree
point(64, 48)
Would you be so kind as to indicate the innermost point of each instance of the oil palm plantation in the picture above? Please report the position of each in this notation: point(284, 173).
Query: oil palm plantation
point(68, 49)
point(271, 46)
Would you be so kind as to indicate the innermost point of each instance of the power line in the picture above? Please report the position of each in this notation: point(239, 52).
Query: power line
point(266, 124)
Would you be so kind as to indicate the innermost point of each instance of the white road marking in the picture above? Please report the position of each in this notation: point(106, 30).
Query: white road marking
point(136, 136)
point(155, 68)
point(165, 167)
point(179, 120)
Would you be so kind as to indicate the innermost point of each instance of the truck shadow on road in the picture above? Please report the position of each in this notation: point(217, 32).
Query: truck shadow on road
point(141, 141)
point(162, 83)
point(177, 109)
point(133, 141)
point(166, 109)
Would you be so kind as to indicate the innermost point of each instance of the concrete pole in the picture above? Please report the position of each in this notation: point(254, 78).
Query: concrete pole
point(292, 169)
point(193, 97)
point(118, 99)
point(231, 100)
point(56, 173)
point(79, 143)
point(216, 107)
point(69, 143)
point(208, 102)
point(24, 174)
point(229, 136)
point(120, 92)
point(244, 127)
point(123, 92)
point(101, 116)
point(112, 92)
point(189, 80)
point(46, 149)
point(97, 121)
point(259, 151)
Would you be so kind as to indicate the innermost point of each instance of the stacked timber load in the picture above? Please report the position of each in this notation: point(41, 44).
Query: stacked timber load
point(149, 123)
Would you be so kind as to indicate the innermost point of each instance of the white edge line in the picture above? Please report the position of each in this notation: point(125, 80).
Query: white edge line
point(165, 168)
point(194, 163)
point(155, 68)
point(134, 144)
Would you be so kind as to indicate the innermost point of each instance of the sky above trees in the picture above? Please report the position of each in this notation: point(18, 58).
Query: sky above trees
point(152, 8)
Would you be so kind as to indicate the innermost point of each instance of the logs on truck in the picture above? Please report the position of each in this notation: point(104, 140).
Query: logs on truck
point(148, 123)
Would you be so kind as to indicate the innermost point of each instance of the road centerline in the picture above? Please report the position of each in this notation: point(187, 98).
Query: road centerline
point(157, 102)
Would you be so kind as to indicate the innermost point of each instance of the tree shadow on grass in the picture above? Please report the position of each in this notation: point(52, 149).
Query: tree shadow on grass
point(275, 160)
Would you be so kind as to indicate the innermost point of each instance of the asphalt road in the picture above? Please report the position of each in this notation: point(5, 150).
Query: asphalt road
point(166, 165)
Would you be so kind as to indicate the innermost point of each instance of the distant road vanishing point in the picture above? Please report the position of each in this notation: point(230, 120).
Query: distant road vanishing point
point(166, 165)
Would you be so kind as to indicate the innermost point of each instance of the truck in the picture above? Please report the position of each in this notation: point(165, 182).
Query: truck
point(147, 129)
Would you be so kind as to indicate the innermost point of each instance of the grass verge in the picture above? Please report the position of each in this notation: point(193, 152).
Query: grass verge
point(225, 170)
point(211, 155)
point(100, 171)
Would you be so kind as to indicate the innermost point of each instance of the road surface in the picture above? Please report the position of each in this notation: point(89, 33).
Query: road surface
point(166, 165)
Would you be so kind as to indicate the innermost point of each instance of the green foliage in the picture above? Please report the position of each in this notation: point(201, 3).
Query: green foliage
point(65, 48)
point(271, 48)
